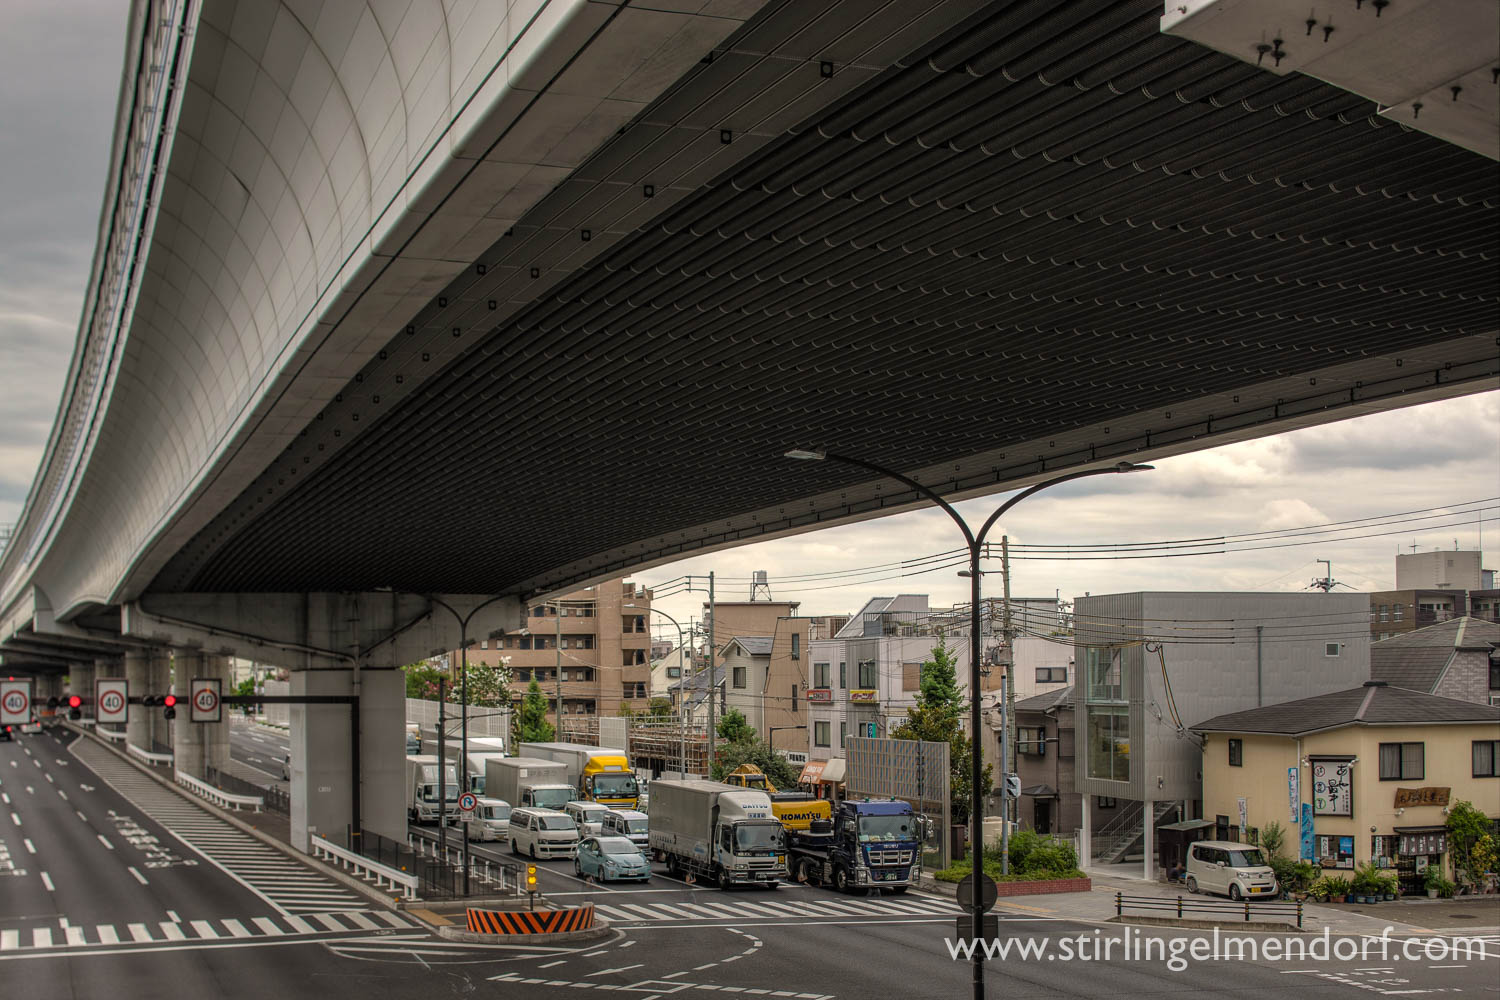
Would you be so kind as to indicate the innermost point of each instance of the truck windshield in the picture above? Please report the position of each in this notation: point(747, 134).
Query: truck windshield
point(476, 783)
point(551, 798)
point(615, 786)
point(882, 828)
point(429, 793)
point(760, 837)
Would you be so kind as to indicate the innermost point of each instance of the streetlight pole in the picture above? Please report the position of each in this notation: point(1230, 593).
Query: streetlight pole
point(975, 543)
point(463, 726)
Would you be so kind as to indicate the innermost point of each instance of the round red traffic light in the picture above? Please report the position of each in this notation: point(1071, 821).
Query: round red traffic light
point(169, 700)
point(74, 701)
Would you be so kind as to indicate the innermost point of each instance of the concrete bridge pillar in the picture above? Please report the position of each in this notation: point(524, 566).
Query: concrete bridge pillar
point(138, 678)
point(159, 682)
point(187, 735)
point(322, 744)
point(215, 735)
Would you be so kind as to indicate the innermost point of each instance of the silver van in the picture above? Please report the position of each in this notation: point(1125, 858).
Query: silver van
point(588, 815)
point(488, 820)
point(543, 833)
point(1226, 868)
point(625, 823)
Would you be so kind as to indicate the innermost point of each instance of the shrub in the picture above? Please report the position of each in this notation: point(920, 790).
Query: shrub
point(1022, 843)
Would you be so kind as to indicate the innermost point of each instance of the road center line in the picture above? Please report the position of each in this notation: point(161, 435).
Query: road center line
point(47, 881)
point(138, 876)
point(107, 845)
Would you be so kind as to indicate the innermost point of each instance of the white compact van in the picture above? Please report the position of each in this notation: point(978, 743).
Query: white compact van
point(1226, 868)
point(543, 833)
point(626, 823)
point(588, 815)
point(488, 820)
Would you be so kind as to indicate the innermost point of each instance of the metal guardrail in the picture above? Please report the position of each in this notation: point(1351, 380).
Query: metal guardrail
point(1181, 906)
point(367, 867)
point(148, 756)
point(443, 870)
point(275, 798)
point(109, 734)
point(218, 796)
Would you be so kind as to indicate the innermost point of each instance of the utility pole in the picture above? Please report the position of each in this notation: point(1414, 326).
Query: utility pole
point(557, 643)
point(712, 622)
point(1008, 691)
point(442, 774)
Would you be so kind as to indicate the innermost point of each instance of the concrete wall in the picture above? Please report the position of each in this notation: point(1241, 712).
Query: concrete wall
point(1443, 568)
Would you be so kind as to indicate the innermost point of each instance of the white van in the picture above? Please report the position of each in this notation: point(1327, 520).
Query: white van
point(625, 823)
point(488, 820)
point(588, 815)
point(543, 833)
point(1230, 869)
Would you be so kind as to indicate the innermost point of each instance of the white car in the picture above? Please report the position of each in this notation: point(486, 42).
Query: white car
point(32, 726)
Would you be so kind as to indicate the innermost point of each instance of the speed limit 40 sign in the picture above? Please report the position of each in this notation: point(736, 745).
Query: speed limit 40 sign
point(15, 702)
point(204, 700)
point(111, 699)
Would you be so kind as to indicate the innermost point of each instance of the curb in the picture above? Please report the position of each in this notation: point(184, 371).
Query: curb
point(362, 888)
point(1274, 926)
point(598, 932)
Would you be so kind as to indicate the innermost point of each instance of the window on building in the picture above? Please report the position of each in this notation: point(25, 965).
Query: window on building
point(1487, 758)
point(540, 611)
point(1106, 672)
point(1032, 740)
point(1494, 676)
point(1107, 714)
point(1236, 753)
point(843, 678)
point(739, 677)
point(1332, 648)
point(796, 646)
point(794, 697)
point(820, 675)
point(820, 734)
point(484, 644)
point(1402, 761)
point(1105, 801)
point(588, 611)
point(1395, 612)
point(674, 671)
point(868, 675)
point(1385, 613)
point(1051, 675)
point(1221, 827)
point(843, 733)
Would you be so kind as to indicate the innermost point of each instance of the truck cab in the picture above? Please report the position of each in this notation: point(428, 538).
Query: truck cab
point(866, 845)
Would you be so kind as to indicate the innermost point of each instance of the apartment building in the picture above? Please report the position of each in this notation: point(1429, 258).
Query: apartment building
point(1434, 587)
point(1454, 659)
point(596, 638)
point(769, 686)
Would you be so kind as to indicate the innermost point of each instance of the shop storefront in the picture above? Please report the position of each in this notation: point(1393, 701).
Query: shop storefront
point(1416, 848)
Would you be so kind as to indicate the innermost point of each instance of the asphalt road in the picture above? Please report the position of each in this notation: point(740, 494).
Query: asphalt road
point(259, 751)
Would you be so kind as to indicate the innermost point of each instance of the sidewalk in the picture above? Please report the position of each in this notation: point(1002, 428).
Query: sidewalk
point(1471, 915)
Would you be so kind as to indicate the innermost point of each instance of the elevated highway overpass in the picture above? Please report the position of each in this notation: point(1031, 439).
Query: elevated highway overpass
point(395, 304)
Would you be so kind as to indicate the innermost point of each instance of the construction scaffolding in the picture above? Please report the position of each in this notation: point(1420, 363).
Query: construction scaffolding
point(655, 745)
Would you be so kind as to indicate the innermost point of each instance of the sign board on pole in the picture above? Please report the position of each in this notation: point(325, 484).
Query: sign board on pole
point(15, 702)
point(111, 700)
point(467, 802)
point(1294, 791)
point(870, 730)
point(203, 701)
point(988, 892)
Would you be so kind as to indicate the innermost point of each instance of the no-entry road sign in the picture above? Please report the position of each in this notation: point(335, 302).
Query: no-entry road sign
point(15, 702)
point(111, 699)
point(204, 700)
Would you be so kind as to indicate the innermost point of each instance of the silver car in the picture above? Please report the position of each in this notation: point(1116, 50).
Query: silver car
point(611, 858)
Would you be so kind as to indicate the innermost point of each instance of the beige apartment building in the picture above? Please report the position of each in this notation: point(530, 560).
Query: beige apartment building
point(767, 680)
point(600, 639)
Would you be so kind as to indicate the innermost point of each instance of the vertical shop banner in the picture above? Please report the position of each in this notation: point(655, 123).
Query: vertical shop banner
point(1307, 833)
point(1294, 791)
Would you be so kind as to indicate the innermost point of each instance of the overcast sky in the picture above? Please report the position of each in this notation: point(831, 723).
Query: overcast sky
point(59, 73)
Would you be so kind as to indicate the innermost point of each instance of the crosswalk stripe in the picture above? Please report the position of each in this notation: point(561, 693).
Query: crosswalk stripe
point(299, 925)
point(363, 921)
point(106, 933)
point(41, 937)
point(236, 928)
point(10, 940)
point(327, 920)
point(649, 912)
point(204, 929)
point(74, 936)
point(268, 925)
point(614, 914)
point(139, 932)
point(171, 931)
point(392, 919)
point(729, 908)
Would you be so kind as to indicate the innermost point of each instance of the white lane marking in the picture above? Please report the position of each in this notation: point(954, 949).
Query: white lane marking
point(10, 940)
point(15, 819)
point(606, 972)
point(138, 876)
point(63, 794)
point(204, 929)
point(47, 881)
point(236, 928)
point(107, 934)
point(81, 815)
point(139, 933)
point(74, 936)
point(49, 779)
point(30, 847)
point(172, 931)
point(172, 916)
point(107, 845)
point(5, 796)
point(41, 937)
point(268, 925)
point(298, 924)
point(560, 961)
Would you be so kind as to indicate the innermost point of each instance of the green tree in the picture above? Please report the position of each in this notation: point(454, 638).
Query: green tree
point(939, 684)
point(1466, 826)
point(783, 773)
point(734, 728)
point(935, 725)
point(245, 689)
point(532, 725)
point(660, 708)
point(422, 680)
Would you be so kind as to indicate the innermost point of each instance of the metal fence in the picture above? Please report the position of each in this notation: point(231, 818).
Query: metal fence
point(1214, 908)
point(275, 798)
point(438, 876)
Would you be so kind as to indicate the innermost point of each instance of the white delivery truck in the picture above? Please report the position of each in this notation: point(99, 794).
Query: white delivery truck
point(600, 774)
point(717, 832)
point(422, 804)
point(528, 782)
point(477, 768)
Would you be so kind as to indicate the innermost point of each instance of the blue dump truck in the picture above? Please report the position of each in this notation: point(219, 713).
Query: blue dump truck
point(868, 844)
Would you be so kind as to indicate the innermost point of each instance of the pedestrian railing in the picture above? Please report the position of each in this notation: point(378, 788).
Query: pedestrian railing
point(149, 756)
point(381, 875)
point(1215, 908)
point(273, 798)
point(218, 796)
point(109, 734)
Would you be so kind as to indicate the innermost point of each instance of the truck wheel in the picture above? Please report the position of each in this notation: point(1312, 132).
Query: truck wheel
point(807, 872)
point(514, 849)
point(723, 878)
point(840, 879)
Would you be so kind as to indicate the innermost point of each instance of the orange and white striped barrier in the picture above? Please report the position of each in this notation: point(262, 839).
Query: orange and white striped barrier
point(531, 921)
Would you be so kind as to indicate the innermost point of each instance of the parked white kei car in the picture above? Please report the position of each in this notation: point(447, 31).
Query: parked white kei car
point(1231, 869)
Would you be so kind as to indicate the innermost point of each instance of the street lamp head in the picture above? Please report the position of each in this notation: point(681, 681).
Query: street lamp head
point(807, 454)
point(1132, 467)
